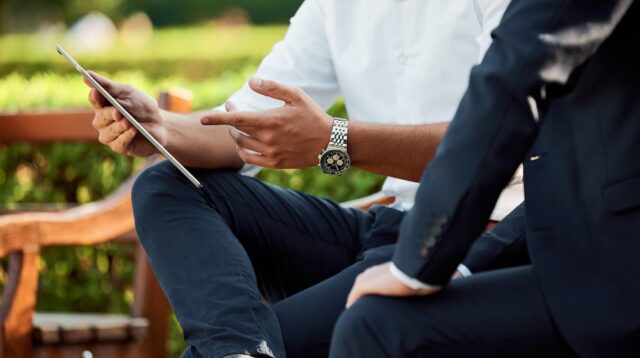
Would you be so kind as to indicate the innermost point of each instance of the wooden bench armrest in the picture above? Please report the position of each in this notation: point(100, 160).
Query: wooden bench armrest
point(367, 202)
point(87, 224)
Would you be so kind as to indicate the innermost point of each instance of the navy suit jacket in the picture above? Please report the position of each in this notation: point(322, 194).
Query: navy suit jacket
point(559, 89)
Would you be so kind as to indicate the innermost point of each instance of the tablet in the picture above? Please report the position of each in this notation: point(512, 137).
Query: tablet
point(130, 118)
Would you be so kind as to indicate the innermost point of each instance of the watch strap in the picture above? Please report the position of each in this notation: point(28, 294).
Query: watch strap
point(339, 133)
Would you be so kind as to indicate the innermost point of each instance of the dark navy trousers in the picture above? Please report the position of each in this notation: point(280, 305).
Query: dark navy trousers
point(498, 314)
point(254, 268)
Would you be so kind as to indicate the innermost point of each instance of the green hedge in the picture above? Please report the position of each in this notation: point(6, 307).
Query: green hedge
point(194, 53)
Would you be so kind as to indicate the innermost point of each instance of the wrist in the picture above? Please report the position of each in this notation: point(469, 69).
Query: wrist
point(165, 126)
point(410, 282)
point(334, 159)
point(322, 137)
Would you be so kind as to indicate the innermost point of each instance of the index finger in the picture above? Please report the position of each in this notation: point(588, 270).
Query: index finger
point(236, 119)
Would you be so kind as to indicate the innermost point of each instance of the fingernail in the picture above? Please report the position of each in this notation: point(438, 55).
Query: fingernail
point(256, 82)
point(228, 106)
point(204, 120)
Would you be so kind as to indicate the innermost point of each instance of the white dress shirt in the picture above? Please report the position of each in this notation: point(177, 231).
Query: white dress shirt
point(393, 61)
point(489, 14)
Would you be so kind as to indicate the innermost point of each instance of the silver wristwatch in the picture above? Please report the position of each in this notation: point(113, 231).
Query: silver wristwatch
point(334, 159)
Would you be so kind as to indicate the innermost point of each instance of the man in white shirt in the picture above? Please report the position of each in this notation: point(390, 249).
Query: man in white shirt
point(401, 66)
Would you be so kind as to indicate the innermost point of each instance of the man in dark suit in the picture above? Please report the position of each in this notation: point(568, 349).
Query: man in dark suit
point(560, 90)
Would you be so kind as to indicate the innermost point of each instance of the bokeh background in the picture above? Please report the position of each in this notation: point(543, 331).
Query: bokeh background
point(207, 47)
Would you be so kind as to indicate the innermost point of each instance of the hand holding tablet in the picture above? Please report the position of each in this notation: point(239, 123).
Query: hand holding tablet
point(118, 106)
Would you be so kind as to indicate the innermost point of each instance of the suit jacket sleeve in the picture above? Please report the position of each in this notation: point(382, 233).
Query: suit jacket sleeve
point(538, 46)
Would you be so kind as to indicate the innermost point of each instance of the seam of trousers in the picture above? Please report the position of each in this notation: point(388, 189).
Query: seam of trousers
point(261, 329)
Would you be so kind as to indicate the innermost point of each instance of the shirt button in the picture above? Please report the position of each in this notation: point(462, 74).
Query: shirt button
point(403, 59)
point(533, 158)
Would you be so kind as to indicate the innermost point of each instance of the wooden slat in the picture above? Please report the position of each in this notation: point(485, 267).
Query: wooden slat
point(59, 126)
point(150, 302)
point(176, 100)
point(65, 328)
point(18, 325)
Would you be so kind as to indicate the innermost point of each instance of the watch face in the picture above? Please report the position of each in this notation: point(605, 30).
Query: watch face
point(335, 162)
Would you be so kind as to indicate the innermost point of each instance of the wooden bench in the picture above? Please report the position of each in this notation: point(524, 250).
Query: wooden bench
point(23, 235)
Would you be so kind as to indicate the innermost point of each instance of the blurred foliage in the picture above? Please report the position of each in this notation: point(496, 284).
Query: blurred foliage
point(99, 279)
point(168, 12)
point(24, 15)
point(193, 53)
point(87, 279)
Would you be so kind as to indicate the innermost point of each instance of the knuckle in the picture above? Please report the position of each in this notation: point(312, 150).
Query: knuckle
point(277, 122)
point(113, 130)
point(237, 119)
point(96, 121)
point(270, 140)
point(126, 89)
point(276, 162)
point(298, 92)
point(240, 140)
point(271, 152)
point(272, 123)
point(272, 162)
point(269, 85)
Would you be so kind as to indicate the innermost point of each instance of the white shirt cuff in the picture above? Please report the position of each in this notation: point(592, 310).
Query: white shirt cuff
point(409, 281)
point(464, 270)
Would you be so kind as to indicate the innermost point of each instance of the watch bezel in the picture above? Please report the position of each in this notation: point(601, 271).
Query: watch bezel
point(342, 169)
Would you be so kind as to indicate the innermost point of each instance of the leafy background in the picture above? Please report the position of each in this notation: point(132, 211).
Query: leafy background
point(210, 61)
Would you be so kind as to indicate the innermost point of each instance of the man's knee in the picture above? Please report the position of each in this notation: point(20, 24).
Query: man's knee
point(356, 333)
point(162, 186)
point(158, 179)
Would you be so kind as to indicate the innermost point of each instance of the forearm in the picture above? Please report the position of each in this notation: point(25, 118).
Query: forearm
point(401, 151)
point(200, 146)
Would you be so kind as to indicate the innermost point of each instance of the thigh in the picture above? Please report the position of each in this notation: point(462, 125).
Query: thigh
point(294, 240)
point(499, 314)
point(307, 318)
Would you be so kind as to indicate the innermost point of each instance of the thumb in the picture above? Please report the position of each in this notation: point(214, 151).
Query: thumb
point(277, 90)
